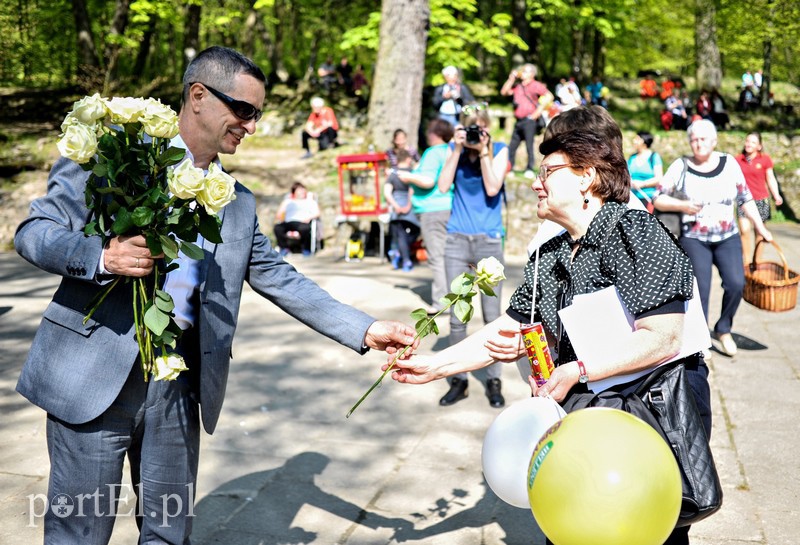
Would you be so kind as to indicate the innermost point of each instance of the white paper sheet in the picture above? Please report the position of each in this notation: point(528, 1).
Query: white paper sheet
point(598, 324)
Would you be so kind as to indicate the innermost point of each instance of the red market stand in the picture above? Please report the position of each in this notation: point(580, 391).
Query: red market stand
point(361, 179)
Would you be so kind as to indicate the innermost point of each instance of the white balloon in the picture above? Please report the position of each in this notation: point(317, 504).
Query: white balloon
point(509, 444)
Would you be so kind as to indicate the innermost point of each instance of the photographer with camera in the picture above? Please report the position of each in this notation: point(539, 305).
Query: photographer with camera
point(528, 109)
point(475, 170)
point(449, 97)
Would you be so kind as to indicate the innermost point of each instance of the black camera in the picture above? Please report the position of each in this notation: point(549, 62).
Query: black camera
point(473, 134)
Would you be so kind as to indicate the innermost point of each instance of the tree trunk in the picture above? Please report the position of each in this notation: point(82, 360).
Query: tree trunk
point(396, 97)
point(766, 77)
point(118, 25)
point(599, 54)
point(89, 61)
point(707, 57)
point(529, 34)
point(249, 31)
point(277, 70)
point(144, 48)
point(191, 40)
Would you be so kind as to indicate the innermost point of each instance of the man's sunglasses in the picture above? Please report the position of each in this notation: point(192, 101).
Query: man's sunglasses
point(241, 109)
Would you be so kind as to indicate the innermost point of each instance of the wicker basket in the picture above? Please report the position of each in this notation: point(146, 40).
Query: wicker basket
point(770, 286)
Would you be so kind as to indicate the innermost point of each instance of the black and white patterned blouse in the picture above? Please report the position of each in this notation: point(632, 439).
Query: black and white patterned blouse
point(623, 247)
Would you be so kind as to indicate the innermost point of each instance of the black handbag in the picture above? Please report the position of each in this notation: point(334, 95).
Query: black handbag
point(664, 399)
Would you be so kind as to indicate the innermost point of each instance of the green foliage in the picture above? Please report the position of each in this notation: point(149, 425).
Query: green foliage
point(40, 43)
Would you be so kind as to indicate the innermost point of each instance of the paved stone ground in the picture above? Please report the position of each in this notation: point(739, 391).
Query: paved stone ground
point(286, 467)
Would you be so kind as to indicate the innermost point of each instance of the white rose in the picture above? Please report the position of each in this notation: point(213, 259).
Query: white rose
point(159, 120)
point(126, 109)
point(168, 367)
point(78, 142)
point(185, 181)
point(89, 110)
point(489, 272)
point(218, 190)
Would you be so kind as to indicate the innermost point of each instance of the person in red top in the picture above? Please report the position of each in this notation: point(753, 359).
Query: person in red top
point(757, 169)
point(526, 91)
point(703, 105)
point(321, 125)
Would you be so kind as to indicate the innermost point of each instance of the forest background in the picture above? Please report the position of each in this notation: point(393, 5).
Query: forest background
point(54, 51)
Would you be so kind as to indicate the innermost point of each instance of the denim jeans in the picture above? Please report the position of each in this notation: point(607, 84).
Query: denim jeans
point(727, 257)
point(461, 253)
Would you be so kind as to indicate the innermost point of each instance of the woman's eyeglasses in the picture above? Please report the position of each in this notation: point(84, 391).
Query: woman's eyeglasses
point(474, 108)
point(241, 109)
point(547, 170)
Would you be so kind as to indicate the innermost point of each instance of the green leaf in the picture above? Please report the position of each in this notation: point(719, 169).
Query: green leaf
point(91, 229)
point(209, 227)
point(419, 314)
point(168, 246)
point(486, 290)
point(192, 251)
point(423, 327)
point(163, 301)
point(172, 156)
point(463, 311)
point(143, 216)
point(462, 284)
point(153, 243)
point(123, 222)
point(100, 170)
point(156, 320)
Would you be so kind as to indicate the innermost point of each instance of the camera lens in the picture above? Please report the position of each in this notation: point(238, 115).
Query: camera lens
point(473, 134)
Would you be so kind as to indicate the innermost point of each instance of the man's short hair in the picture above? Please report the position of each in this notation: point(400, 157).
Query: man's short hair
point(217, 67)
point(317, 102)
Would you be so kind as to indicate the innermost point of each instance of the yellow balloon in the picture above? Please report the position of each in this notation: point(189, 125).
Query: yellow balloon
point(602, 476)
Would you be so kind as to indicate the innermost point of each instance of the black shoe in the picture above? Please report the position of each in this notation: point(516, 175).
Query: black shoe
point(457, 392)
point(496, 399)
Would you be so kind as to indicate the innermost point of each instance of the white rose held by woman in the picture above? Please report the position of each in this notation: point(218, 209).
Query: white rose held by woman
point(185, 181)
point(218, 190)
point(488, 273)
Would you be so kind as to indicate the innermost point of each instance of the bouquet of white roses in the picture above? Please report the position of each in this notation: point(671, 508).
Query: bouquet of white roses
point(488, 273)
point(134, 188)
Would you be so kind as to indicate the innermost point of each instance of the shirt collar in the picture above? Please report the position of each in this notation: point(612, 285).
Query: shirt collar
point(178, 142)
point(608, 215)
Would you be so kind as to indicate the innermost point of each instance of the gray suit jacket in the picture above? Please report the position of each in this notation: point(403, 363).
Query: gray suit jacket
point(75, 371)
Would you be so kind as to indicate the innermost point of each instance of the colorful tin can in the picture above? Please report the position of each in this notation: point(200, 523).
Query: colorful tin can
point(538, 351)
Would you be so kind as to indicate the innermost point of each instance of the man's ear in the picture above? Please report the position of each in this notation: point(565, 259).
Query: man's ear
point(196, 94)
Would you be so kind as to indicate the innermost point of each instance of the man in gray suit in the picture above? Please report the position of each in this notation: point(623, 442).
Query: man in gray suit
point(86, 376)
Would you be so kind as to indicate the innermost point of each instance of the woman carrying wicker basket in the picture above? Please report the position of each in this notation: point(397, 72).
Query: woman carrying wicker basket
point(714, 188)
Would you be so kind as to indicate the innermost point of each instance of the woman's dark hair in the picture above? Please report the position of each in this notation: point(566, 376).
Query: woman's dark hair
point(441, 128)
point(396, 132)
point(590, 137)
point(646, 137)
point(760, 143)
point(296, 186)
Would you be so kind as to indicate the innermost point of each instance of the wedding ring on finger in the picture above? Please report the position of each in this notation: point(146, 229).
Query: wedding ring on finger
point(137, 262)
